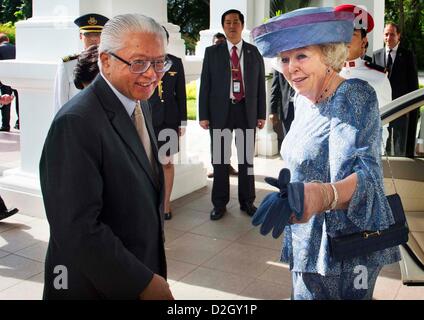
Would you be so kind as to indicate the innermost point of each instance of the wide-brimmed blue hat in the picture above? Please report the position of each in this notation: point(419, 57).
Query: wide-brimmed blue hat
point(302, 28)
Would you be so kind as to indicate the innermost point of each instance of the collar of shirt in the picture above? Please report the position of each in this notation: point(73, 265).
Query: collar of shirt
point(129, 104)
point(358, 62)
point(238, 45)
point(394, 50)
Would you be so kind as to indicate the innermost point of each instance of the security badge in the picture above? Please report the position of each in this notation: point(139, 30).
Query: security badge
point(236, 83)
point(172, 73)
point(236, 86)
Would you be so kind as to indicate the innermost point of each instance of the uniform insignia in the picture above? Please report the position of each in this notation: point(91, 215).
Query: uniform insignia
point(70, 57)
point(172, 73)
point(375, 67)
point(92, 21)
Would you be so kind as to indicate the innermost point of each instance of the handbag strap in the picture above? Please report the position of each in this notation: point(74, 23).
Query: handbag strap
point(390, 167)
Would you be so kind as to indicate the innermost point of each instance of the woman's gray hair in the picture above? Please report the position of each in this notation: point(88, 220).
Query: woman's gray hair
point(334, 55)
point(118, 26)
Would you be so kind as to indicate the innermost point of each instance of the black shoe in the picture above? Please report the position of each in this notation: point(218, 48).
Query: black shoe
point(168, 215)
point(217, 213)
point(6, 129)
point(7, 213)
point(249, 208)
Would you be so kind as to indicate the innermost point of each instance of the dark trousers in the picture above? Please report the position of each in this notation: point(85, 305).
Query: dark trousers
point(396, 142)
point(221, 147)
point(5, 116)
point(5, 109)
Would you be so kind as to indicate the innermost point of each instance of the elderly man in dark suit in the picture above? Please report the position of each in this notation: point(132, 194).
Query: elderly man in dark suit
point(401, 66)
point(101, 179)
point(232, 97)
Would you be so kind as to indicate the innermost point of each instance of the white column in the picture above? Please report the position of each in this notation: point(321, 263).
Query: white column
point(41, 41)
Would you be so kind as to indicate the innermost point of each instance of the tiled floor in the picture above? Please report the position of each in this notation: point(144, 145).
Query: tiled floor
point(224, 259)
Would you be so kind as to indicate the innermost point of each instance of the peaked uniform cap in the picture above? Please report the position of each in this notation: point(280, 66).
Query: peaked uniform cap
point(363, 19)
point(301, 28)
point(91, 22)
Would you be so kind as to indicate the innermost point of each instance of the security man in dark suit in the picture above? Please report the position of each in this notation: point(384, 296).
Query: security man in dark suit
point(7, 50)
point(282, 108)
point(101, 179)
point(232, 97)
point(401, 67)
point(169, 114)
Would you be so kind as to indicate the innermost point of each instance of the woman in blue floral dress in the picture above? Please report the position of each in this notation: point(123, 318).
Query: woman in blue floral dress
point(333, 147)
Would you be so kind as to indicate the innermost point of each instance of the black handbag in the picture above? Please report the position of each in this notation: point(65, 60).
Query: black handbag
point(365, 242)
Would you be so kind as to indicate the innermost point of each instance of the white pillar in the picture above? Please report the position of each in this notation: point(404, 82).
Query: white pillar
point(40, 42)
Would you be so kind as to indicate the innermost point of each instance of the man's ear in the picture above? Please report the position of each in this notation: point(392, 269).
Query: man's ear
point(80, 36)
point(105, 60)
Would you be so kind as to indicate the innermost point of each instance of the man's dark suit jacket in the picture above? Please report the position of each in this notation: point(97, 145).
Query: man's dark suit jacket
point(281, 92)
point(102, 201)
point(404, 75)
point(173, 109)
point(7, 51)
point(215, 85)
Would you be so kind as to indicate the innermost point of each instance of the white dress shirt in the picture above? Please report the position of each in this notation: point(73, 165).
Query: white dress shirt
point(241, 59)
point(393, 53)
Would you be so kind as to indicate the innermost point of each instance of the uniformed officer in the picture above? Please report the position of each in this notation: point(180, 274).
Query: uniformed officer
point(90, 26)
point(169, 117)
point(355, 66)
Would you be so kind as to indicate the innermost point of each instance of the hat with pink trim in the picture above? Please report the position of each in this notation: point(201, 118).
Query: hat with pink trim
point(301, 28)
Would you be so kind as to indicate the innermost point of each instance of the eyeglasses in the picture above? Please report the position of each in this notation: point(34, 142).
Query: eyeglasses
point(141, 66)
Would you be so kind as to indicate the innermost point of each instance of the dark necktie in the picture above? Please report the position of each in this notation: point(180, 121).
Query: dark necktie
point(236, 74)
point(389, 63)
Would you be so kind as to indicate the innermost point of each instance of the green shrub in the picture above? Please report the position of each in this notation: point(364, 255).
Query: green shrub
point(191, 90)
point(9, 29)
point(191, 109)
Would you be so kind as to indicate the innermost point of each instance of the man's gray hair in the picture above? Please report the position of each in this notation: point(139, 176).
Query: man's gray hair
point(117, 27)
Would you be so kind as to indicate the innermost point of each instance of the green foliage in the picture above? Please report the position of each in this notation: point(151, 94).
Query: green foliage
point(191, 90)
point(9, 29)
point(409, 14)
point(15, 10)
point(192, 16)
point(278, 7)
point(191, 109)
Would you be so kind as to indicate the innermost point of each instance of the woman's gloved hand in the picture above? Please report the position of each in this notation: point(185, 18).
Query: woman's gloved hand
point(277, 208)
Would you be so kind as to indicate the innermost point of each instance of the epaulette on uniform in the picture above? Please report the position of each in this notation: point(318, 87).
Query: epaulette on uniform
point(70, 57)
point(375, 67)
